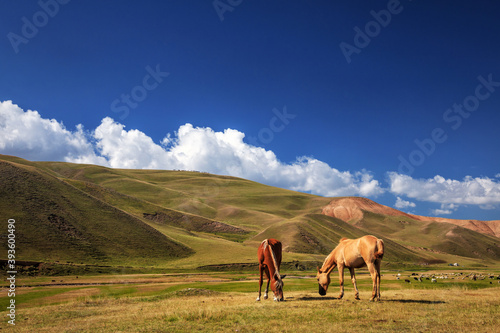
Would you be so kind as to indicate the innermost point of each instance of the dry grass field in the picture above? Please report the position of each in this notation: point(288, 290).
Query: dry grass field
point(225, 302)
point(86, 232)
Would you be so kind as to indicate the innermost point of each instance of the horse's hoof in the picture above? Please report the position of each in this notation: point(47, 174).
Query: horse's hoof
point(265, 297)
point(258, 299)
point(357, 298)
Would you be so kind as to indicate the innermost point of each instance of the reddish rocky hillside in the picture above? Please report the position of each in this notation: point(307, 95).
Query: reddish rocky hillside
point(352, 209)
point(486, 227)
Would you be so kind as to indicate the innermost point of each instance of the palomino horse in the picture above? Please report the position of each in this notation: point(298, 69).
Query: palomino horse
point(353, 253)
point(269, 254)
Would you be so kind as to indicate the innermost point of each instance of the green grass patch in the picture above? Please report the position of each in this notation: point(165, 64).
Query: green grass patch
point(32, 296)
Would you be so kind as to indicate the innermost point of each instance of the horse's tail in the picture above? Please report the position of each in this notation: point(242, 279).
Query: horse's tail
point(379, 254)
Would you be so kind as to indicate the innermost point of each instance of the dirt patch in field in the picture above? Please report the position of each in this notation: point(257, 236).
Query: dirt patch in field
point(196, 292)
point(63, 297)
point(428, 250)
point(72, 294)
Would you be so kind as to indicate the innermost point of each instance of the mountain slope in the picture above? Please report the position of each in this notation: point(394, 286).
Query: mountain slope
point(93, 214)
point(57, 222)
point(351, 209)
point(437, 235)
point(485, 227)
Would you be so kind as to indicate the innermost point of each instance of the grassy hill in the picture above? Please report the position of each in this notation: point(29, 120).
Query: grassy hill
point(435, 239)
point(177, 219)
point(56, 221)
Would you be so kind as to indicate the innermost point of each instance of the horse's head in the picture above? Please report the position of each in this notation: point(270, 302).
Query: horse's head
point(323, 278)
point(277, 287)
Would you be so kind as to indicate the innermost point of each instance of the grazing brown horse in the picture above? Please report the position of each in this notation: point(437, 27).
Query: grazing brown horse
point(353, 253)
point(269, 254)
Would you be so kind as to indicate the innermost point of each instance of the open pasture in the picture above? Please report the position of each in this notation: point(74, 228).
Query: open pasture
point(226, 302)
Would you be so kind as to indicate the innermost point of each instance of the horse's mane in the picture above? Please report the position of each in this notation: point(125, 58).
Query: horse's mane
point(279, 282)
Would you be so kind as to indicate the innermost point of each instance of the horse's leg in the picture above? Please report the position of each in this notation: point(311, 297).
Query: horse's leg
point(373, 273)
point(268, 281)
point(341, 280)
point(353, 279)
point(377, 267)
point(260, 280)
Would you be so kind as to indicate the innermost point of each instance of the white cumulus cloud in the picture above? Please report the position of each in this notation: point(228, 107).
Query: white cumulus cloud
point(439, 212)
point(127, 149)
point(203, 149)
point(481, 191)
point(28, 135)
point(446, 209)
point(402, 204)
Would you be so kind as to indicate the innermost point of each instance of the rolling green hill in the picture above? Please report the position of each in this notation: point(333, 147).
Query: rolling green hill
point(89, 214)
point(57, 222)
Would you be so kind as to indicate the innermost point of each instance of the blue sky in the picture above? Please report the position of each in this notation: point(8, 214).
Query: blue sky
point(397, 101)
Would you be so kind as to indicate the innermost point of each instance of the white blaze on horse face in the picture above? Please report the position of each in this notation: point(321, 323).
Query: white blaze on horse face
point(278, 295)
point(278, 287)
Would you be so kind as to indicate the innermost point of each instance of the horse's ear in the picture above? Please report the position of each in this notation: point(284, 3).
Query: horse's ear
point(319, 269)
point(283, 276)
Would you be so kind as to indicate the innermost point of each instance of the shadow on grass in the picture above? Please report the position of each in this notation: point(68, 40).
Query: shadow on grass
point(418, 301)
point(313, 298)
point(323, 298)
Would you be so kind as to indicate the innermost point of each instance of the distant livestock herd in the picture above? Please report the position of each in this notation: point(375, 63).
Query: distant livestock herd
point(458, 276)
